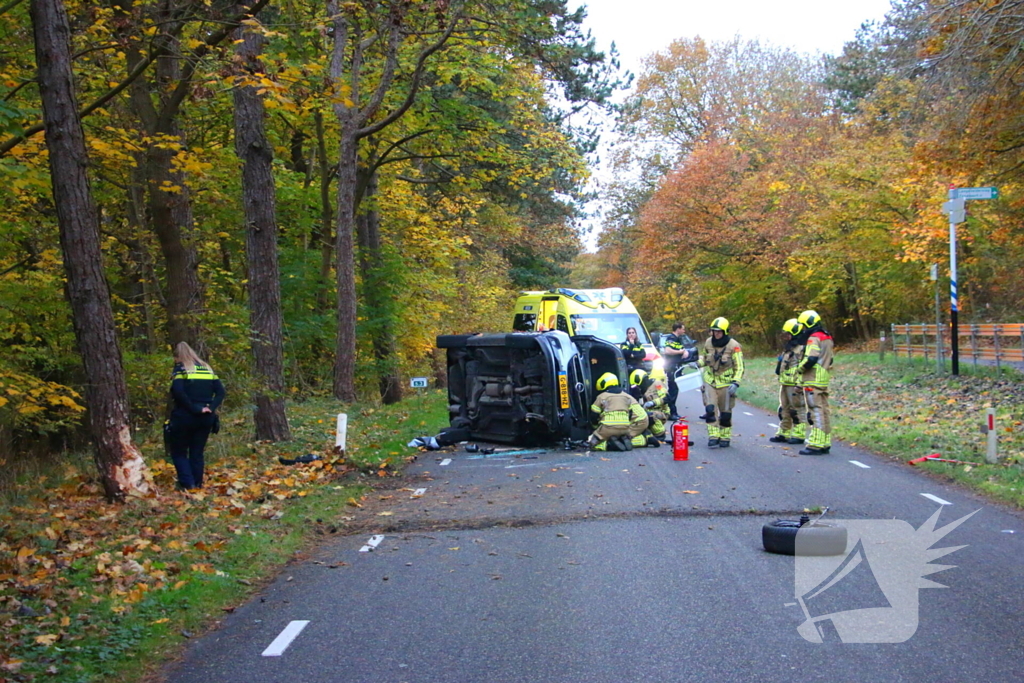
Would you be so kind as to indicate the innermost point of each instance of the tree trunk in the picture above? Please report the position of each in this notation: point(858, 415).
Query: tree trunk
point(377, 296)
point(322, 235)
point(258, 197)
point(122, 469)
point(345, 347)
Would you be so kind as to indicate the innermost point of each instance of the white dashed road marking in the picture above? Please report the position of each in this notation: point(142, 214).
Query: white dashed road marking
point(936, 499)
point(446, 462)
point(746, 413)
point(860, 464)
point(371, 544)
point(772, 425)
point(281, 643)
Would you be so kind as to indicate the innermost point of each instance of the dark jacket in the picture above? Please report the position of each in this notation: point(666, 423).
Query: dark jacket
point(193, 391)
point(634, 353)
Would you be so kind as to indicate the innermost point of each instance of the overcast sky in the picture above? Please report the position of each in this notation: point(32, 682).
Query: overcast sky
point(640, 27)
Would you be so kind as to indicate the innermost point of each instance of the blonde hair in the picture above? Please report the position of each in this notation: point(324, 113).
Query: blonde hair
point(186, 355)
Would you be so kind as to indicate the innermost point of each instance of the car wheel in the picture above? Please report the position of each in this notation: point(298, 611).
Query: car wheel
point(816, 538)
point(452, 341)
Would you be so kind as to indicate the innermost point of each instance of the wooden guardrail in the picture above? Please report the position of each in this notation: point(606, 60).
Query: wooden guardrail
point(988, 342)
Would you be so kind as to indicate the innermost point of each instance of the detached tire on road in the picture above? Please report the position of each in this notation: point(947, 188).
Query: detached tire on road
point(816, 539)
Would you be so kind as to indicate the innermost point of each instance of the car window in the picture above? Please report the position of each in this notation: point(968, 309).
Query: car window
point(609, 326)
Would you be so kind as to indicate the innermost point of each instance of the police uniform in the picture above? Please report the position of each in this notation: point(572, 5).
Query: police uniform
point(722, 367)
point(634, 353)
point(189, 426)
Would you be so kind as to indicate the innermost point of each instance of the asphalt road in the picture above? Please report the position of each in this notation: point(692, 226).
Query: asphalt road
point(618, 567)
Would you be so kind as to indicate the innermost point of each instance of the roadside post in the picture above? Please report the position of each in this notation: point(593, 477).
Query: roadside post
point(341, 433)
point(938, 320)
point(988, 428)
point(956, 209)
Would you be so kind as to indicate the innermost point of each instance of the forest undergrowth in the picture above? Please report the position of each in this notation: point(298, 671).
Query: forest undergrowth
point(87, 587)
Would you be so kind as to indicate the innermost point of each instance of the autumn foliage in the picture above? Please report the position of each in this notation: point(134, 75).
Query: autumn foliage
point(755, 182)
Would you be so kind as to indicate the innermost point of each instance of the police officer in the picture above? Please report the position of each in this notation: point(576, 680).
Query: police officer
point(722, 363)
point(632, 350)
point(792, 408)
point(197, 393)
point(679, 349)
point(815, 369)
point(621, 420)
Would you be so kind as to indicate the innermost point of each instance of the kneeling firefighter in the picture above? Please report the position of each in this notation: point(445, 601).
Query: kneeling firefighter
point(722, 363)
point(621, 419)
point(792, 407)
point(651, 395)
point(815, 369)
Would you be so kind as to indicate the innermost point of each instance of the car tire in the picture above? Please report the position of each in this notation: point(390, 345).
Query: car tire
point(521, 341)
point(452, 341)
point(816, 538)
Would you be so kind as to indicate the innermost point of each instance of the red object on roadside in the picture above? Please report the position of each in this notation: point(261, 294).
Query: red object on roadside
point(680, 441)
point(934, 457)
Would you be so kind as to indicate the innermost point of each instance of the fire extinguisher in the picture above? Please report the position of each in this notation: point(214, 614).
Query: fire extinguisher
point(680, 441)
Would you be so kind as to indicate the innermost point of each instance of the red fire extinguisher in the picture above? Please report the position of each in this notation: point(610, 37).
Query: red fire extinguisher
point(680, 441)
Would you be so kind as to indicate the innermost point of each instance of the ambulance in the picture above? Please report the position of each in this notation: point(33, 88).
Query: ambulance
point(602, 313)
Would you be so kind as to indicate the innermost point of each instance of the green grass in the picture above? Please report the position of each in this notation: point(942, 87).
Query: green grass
point(212, 559)
point(905, 410)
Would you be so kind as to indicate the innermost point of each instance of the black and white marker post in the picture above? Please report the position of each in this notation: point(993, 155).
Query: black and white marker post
point(956, 208)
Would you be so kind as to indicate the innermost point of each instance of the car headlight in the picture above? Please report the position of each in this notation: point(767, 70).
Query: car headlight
point(658, 364)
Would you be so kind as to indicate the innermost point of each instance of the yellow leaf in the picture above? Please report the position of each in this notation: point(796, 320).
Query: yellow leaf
point(48, 639)
point(691, 491)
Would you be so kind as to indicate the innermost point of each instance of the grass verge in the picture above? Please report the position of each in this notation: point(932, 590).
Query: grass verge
point(91, 592)
point(905, 410)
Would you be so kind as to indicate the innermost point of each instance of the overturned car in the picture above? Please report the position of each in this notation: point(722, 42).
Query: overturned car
point(526, 388)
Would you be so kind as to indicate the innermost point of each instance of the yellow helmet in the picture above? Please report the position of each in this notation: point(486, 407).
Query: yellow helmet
point(792, 326)
point(720, 324)
point(637, 377)
point(658, 374)
point(809, 318)
point(606, 380)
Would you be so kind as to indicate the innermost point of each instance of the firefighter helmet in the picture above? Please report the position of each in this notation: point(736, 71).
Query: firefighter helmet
point(792, 326)
point(637, 377)
point(809, 318)
point(720, 324)
point(606, 380)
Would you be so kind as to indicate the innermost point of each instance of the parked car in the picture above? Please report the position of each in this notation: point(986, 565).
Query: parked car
point(526, 388)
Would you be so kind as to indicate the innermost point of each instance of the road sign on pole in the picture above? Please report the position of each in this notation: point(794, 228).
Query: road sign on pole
point(956, 208)
point(974, 193)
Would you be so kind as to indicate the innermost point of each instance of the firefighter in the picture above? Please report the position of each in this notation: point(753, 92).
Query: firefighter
point(792, 408)
point(621, 419)
point(651, 393)
point(632, 350)
point(678, 351)
point(815, 371)
point(722, 363)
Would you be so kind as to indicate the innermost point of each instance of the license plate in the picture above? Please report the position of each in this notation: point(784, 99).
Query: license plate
point(563, 390)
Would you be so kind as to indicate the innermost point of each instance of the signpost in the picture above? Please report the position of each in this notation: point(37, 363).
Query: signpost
point(956, 208)
point(418, 382)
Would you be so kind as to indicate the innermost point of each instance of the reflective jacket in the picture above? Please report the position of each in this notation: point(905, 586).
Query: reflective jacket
point(722, 366)
point(815, 367)
point(787, 367)
point(617, 409)
point(193, 391)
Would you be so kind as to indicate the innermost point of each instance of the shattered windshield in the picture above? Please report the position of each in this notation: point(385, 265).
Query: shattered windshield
point(609, 326)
